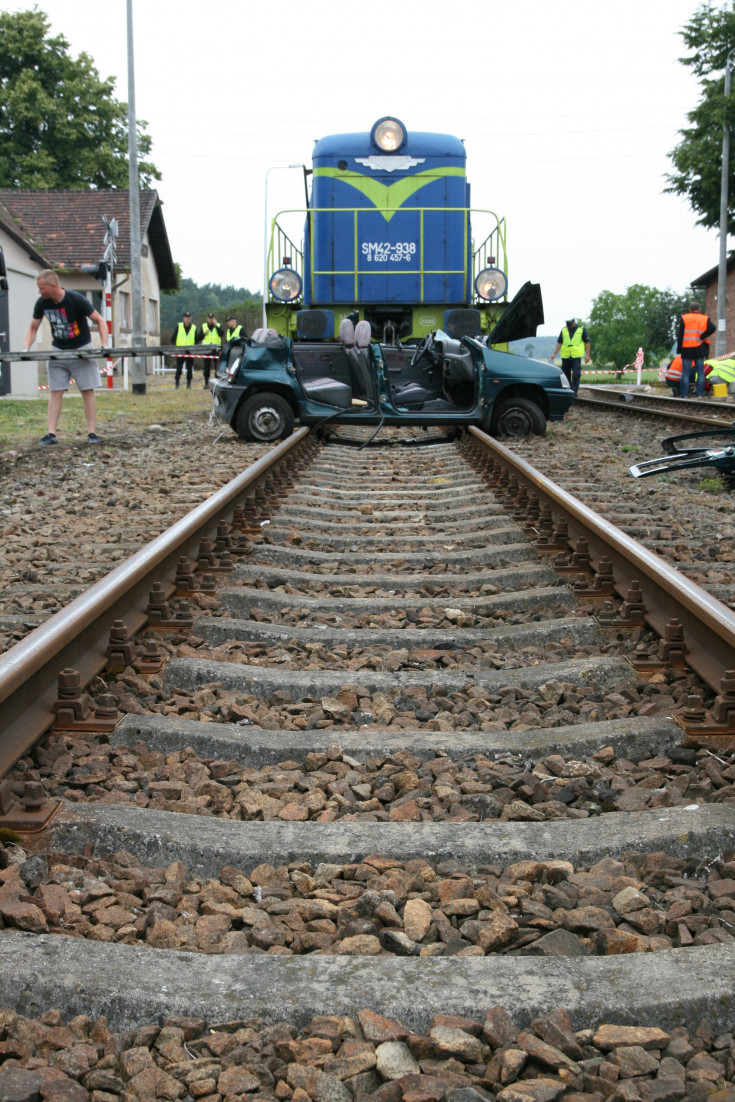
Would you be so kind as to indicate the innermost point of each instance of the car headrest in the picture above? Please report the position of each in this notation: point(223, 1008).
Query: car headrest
point(265, 336)
point(363, 334)
point(347, 332)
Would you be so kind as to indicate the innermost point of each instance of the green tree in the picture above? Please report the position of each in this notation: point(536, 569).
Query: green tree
point(709, 36)
point(643, 317)
point(60, 125)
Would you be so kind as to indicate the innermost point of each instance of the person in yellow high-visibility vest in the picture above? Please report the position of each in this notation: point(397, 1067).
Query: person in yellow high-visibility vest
point(233, 329)
point(574, 344)
point(184, 336)
point(721, 371)
point(211, 334)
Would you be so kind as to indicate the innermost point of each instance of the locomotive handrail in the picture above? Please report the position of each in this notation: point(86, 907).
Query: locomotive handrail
point(485, 254)
point(495, 237)
point(280, 240)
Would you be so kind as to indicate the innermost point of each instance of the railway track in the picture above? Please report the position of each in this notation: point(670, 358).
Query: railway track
point(698, 413)
point(682, 516)
point(415, 752)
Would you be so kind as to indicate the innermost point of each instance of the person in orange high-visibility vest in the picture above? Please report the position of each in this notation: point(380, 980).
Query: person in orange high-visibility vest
point(672, 374)
point(693, 346)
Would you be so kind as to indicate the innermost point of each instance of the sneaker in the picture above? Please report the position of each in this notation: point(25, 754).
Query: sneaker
point(92, 438)
point(49, 438)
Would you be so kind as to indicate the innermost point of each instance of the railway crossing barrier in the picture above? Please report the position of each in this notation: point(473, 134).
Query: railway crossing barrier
point(114, 356)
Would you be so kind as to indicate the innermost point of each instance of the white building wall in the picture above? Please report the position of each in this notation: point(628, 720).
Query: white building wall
point(22, 290)
point(151, 294)
point(22, 295)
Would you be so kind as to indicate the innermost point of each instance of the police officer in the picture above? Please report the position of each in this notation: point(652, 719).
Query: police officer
point(692, 344)
point(233, 329)
point(184, 336)
point(573, 342)
point(211, 334)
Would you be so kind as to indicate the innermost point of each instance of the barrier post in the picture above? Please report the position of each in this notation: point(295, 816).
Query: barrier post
point(108, 319)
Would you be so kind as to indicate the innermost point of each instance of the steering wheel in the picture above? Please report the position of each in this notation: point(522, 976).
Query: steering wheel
point(423, 349)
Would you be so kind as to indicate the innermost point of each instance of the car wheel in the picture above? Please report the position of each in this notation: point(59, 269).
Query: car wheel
point(264, 417)
point(518, 417)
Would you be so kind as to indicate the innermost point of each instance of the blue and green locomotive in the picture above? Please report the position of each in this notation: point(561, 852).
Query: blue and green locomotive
point(389, 233)
point(392, 308)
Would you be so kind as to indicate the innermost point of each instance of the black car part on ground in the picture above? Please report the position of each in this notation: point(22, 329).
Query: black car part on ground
point(678, 458)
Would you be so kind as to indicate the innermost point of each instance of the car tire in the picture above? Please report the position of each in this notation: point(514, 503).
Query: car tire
point(264, 418)
point(517, 417)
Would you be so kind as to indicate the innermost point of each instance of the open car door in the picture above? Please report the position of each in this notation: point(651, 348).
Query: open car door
point(521, 317)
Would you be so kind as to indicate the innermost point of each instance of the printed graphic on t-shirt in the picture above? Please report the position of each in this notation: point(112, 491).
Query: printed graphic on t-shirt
point(61, 327)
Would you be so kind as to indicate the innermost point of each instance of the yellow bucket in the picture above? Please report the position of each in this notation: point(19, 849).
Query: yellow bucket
point(719, 390)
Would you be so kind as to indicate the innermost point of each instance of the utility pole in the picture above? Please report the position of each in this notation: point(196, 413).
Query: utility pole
point(137, 373)
point(4, 326)
point(721, 338)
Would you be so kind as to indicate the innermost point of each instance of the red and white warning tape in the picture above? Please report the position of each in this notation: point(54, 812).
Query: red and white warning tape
point(609, 371)
point(107, 370)
point(194, 355)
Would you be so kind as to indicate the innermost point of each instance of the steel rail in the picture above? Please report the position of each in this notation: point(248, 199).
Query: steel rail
point(670, 414)
point(657, 395)
point(78, 636)
point(709, 625)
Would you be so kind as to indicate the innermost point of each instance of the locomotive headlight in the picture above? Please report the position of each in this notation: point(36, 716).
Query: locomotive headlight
point(285, 285)
point(388, 134)
point(491, 283)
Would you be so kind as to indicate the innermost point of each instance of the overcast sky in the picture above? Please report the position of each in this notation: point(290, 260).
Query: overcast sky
point(568, 110)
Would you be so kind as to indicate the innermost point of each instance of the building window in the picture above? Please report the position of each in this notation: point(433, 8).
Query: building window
point(152, 316)
point(124, 310)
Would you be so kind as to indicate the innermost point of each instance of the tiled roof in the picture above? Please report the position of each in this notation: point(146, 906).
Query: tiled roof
point(66, 227)
point(10, 226)
point(701, 281)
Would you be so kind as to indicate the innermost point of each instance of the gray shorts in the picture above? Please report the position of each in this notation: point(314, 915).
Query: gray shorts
point(85, 373)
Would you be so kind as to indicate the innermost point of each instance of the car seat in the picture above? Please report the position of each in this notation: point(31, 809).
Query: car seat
point(359, 358)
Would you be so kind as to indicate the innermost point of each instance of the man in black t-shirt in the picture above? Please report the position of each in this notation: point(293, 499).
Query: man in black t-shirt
point(68, 313)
